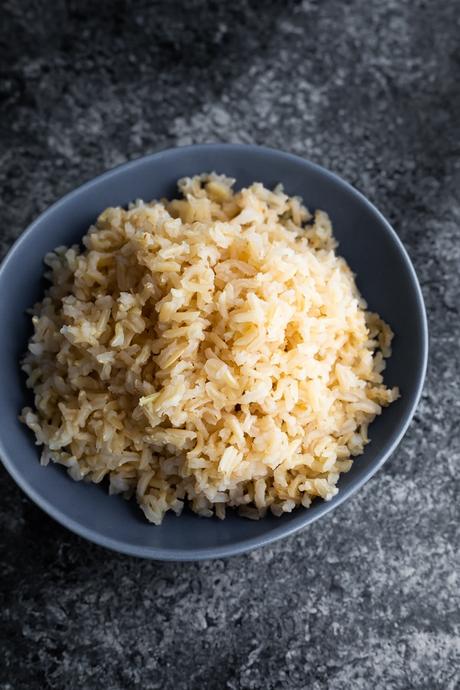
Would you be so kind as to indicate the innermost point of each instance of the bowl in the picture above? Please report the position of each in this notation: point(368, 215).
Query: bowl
point(385, 277)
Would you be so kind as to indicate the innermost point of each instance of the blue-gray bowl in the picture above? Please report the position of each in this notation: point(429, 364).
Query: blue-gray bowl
point(385, 277)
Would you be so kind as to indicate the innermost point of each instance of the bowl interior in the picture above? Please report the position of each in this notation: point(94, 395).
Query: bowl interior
point(385, 278)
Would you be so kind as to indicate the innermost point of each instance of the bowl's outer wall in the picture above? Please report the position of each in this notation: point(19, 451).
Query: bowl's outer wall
point(384, 275)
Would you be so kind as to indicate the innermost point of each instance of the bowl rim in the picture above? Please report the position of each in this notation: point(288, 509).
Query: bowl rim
point(305, 517)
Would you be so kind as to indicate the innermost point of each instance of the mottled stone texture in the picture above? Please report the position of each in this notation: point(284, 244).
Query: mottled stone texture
point(367, 597)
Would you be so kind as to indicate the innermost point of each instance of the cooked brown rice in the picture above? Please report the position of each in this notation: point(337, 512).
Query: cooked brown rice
point(211, 350)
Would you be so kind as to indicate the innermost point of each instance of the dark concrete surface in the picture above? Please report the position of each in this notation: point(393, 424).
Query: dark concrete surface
point(369, 596)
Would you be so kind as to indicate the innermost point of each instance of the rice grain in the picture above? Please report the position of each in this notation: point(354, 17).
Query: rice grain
point(213, 350)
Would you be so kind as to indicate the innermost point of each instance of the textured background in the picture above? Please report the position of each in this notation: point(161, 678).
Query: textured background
point(369, 596)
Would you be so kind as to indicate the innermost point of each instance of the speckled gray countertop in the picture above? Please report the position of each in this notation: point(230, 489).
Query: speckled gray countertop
point(369, 596)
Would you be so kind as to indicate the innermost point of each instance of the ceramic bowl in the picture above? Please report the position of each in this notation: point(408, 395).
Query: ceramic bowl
point(385, 277)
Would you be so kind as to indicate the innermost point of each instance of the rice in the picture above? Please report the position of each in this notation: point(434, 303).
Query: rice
point(211, 350)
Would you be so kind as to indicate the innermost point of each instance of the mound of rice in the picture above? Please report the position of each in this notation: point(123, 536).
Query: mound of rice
point(212, 350)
